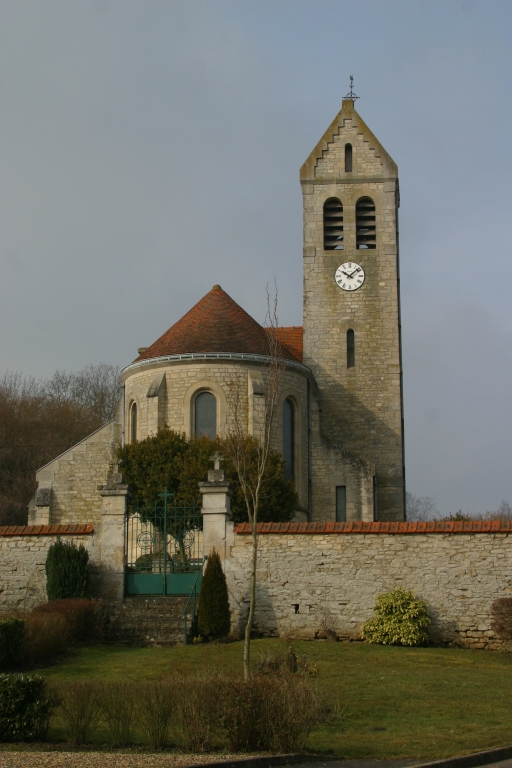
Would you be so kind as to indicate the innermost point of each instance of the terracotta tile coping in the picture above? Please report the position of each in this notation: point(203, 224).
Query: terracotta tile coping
point(46, 530)
point(475, 526)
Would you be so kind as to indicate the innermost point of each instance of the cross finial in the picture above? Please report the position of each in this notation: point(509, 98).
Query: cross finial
point(351, 95)
point(216, 458)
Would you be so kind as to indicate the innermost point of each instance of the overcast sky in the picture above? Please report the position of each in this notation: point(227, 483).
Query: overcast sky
point(151, 148)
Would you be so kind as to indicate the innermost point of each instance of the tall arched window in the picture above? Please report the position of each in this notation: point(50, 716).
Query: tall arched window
point(351, 348)
point(365, 223)
point(348, 158)
point(205, 415)
point(289, 438)
point(333, 225)
point(133, 423)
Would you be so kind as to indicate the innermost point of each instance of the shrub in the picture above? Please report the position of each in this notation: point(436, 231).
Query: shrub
point(67, 571)
point(214, 619)
point(154, 710)
point(12, 642)
point(46, 637)
point(501, 612)
point(79, 710)
point(84, 618)
point(26, 706)
point(268, 713)
point(117, 706)
point(197, 712)
point(400, 619)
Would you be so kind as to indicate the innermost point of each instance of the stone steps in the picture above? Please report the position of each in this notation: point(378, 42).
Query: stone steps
point(148, 621)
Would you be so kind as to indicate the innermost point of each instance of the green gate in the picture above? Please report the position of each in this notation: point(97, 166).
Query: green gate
point(164, 548)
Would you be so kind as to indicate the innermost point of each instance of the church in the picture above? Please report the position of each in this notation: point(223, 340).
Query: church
point(339, 417)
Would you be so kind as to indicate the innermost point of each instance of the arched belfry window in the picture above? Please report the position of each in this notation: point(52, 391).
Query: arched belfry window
point(205, 415)
point(289, 438)
point(133, 422)
point(351, 348)
point(348, 158)
point(365, 223)
point(333, 225)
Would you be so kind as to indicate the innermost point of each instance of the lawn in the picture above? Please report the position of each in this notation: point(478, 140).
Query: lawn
point(384, 702)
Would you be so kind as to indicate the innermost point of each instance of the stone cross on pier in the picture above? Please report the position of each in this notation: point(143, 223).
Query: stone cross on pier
point(217, 525)
point(216, 475)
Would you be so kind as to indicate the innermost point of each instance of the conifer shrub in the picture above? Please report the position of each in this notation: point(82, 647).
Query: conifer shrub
point(26, 706)
point(214, 619)
point(12, 642)
point(400, 619)
point(67, 571)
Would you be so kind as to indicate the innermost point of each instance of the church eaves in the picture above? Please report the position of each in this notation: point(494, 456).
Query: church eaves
point(215, 324)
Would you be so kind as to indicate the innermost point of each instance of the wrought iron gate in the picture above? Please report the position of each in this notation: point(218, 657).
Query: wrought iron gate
point(164, 548)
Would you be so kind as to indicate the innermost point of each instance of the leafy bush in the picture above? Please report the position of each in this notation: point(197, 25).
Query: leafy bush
point(67, 571)
point(400, 619)
point(117, 706)
point(12, 642)
point(197, 712)
point(214, 618)
point(501, 612)
point(155, 701)
point(84, 618)
point(26, 706)
point(79, 710)
point(169, 459)
point(46, 637)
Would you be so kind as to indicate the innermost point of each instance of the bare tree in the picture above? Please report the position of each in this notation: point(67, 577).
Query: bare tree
point(40, 419)
point(420, 508)
point(248, 453)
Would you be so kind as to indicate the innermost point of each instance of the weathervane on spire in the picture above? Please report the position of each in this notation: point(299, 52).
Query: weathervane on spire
point(351, 95)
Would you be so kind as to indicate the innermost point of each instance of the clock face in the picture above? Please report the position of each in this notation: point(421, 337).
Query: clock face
point(349, 276)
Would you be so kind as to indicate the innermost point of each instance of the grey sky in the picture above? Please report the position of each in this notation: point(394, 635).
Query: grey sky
point(152, 149)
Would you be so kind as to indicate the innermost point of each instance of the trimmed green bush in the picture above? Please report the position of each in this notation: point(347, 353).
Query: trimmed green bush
point(12, 642)
point(67, 571)
point(400, 619)
point(214, 619)
point(26, 706)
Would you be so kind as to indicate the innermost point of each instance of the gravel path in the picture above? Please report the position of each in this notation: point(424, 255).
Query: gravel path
point(29, 759)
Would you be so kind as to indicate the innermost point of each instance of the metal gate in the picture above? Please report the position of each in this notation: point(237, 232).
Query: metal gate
point(164, 548)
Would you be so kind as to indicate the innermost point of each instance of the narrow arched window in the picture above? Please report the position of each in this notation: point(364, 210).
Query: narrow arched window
point(365, 223)
point(351, 348)
point(348, 158)
point(289, 438)
point(205, 415)
point(133, 423)
point(333, 225)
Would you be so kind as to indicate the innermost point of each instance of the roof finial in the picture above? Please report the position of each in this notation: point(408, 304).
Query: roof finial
point(351, 95)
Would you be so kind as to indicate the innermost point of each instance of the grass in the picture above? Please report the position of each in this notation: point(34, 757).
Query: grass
point(383, 702)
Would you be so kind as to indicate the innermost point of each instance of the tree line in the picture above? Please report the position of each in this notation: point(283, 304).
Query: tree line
point(42, 418)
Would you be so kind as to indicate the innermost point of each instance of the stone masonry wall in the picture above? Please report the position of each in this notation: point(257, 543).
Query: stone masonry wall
point(309, 580)
point(22, 560)
point(73, 480)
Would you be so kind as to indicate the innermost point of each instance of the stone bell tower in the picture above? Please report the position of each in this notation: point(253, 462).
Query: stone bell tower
point(352, 312)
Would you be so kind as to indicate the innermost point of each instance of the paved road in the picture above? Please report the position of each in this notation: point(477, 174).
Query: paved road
point(365, 764)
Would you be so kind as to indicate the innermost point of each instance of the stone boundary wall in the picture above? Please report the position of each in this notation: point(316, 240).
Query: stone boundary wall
point(318, 576)
point(23, 551)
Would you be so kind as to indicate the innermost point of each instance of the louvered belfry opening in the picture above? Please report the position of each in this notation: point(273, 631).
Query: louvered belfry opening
point(333, 225)
point(365, 223)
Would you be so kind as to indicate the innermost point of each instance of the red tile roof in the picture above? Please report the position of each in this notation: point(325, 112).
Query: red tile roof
point(47, 530)
point(291, 338)
point(433, 526)
point(214, 324)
